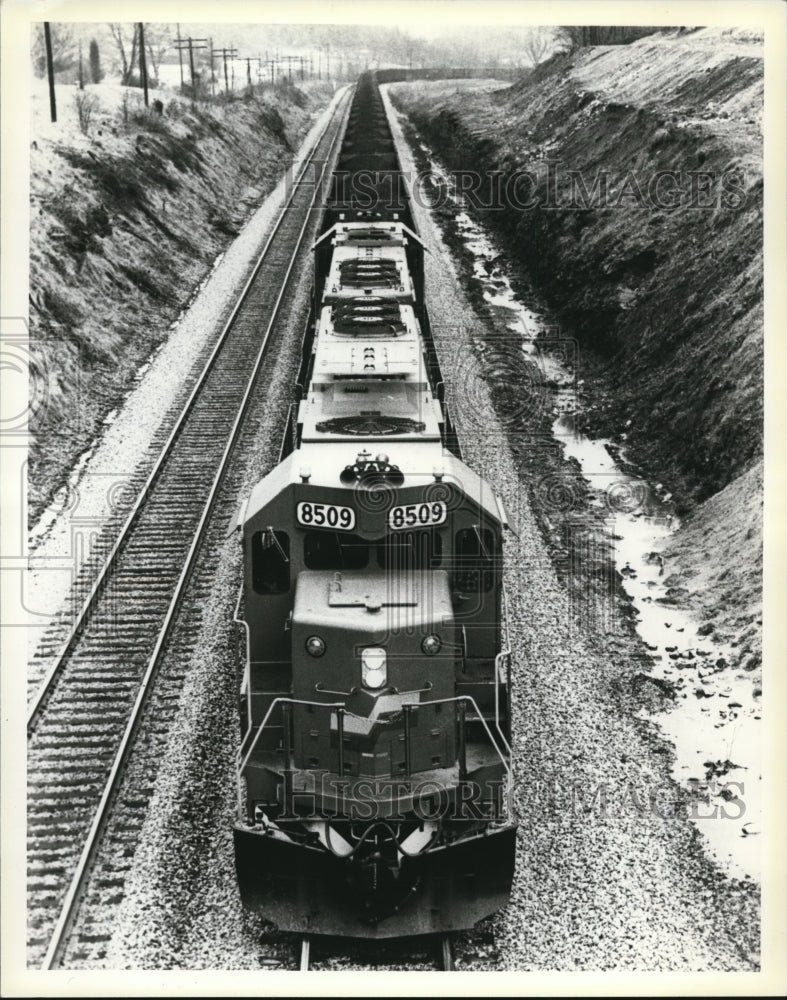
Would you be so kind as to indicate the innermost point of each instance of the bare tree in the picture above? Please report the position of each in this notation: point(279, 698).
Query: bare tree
point(158, 41)
point(85, 104)
point(119, 33)
point(63, 48)
point(538, 43)
point(570, 37)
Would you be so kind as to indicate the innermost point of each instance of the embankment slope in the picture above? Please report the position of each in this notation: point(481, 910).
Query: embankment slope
point(127, 218)
point(638, 213)
point(632, 195)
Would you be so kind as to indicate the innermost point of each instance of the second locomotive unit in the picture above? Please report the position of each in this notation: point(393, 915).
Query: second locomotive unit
point(374, 769)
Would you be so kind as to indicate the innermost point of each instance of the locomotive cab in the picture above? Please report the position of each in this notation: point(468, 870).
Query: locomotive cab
point(295, 531)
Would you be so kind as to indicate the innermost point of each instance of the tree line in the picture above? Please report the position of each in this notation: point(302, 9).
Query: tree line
point(606, 34)
point(122, 40)
point(363, 45)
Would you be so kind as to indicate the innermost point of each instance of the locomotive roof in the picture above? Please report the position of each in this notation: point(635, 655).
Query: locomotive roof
point(324, 463)
point(369, 393)
point(369, 257)
point(352, 409)
point(368, 269)
point(368, 316)
point(378, 342)
point(370, 231)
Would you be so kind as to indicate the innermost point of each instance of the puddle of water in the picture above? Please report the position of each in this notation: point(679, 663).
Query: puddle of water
point(714, 725)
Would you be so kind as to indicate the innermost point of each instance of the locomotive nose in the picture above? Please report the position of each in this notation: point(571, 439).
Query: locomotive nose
point(387, 646)
point(381, 632)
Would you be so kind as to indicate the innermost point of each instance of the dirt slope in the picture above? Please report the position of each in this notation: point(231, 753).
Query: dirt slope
point(126, 221)
point(717, 557)
point(662, 277)
point(637, 214)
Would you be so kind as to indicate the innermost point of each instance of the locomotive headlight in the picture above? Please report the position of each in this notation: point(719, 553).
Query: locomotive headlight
point(374, 667)
point(315, 646)
point(431, 645)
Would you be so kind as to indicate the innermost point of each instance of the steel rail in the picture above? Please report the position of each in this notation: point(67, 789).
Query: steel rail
point(445, 953)
point(60, 933)
point(100, 582)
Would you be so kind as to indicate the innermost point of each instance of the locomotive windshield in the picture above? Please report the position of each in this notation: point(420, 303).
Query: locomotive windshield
point(332, 550)
point(410, 550)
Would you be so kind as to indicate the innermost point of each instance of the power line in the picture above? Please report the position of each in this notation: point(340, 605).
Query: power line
point(191, 44)
point(225, 53)
point(290, 60)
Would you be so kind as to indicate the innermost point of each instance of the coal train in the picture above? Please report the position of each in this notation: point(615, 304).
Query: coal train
point(374, 684)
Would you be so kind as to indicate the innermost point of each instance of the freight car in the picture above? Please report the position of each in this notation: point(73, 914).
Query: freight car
point(374, 768)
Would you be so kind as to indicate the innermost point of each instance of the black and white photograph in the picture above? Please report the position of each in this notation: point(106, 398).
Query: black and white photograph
point(393, 486)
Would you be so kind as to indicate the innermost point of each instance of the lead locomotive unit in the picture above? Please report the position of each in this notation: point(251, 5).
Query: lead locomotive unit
point(374, 771)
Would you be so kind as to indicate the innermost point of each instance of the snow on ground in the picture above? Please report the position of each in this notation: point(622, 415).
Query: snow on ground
point(686, 64)
point(106, 97)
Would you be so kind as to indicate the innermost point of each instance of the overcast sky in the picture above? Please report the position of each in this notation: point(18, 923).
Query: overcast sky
point(425, 18)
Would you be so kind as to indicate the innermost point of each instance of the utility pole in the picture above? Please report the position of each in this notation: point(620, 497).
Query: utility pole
point(191, 68)
point(212, 72)
point(50, 71)
point(191, 44)
point(290, 60)
point(143, 65)
point(81, 73)
point(271, 63)
point(180, 60)
point(224, 53)
point(249, 61)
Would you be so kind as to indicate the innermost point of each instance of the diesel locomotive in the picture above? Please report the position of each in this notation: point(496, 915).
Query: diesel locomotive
point(374, 767)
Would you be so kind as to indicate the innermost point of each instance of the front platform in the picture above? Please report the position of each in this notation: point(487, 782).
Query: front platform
point(308, 890)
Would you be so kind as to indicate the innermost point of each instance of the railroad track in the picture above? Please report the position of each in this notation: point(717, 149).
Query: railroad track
point(84, 718)
point(436, 950)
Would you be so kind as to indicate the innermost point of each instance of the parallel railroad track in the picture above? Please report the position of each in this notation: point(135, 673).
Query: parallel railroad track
point(85, 716)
